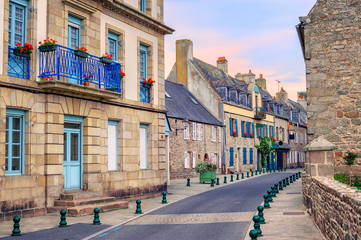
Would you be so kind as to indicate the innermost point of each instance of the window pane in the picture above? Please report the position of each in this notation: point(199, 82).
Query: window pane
point(16, 150)
point(19, 13)
point(7, 122)
point(74, 147)
point(7, 136)
point(16, 164)
point(72, 125)
point(18, 27)
point(16, 123)
point(6, 150)
point(65, 148)
point(16, 136)
point(6, 164)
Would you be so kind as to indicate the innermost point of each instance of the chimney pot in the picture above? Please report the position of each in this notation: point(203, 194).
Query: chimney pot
point(222, 64)
point(250, 71)
point(261, 75)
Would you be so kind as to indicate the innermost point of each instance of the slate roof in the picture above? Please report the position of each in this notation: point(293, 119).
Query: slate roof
point(180, 105)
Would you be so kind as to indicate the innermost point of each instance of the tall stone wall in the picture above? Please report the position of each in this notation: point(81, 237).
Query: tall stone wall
point(335, 208)
point(332, 37)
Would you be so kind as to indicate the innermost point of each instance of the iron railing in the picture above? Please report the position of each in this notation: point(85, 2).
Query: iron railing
point(144, 93)
point(260, 113)
point(64, 65)
point(18, 66)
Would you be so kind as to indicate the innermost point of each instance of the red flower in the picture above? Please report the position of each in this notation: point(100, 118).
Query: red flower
point(39, 42)
point(45, 78)
point(77, 47)
point(21, 50)
point(51, 78)
point(45, 40)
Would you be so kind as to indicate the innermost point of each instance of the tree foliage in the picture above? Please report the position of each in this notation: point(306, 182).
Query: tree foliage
point(265, 148)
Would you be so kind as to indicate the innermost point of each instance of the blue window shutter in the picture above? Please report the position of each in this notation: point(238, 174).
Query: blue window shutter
point(236, 127)
point(143, 61)
point(242, 124)
point(253, 128)
point(248, 128)
point(142, 5)
point(230, 127)
point(113, 45)
point(244, 155)
point(257, 131)
point(251, 156)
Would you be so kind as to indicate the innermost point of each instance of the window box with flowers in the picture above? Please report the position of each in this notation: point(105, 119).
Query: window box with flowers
point(206, 171)
point(48, 45)
point(251, 135)
point(86, 80)
point(47, 78)
point(234, 134)
point(148, 83)
point(245, 135)
point(106, 59)
point(81, 52)
point(23, 51)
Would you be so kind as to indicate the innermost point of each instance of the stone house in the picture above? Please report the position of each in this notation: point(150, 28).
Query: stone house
point(241, 103)
point(71, 122)
point(195, 132)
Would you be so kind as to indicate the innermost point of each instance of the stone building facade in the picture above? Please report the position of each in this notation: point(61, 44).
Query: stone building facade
point(330, 40)
point(75, 123)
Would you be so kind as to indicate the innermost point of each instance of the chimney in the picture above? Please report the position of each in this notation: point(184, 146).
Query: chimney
point(247, 77)
point(184, 52)
point(222, 64)
point(261, 82)
point(282, 95)
point(302, 99)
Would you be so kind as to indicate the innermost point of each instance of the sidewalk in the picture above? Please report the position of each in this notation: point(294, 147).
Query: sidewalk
point(287, 218)
point(176, 191)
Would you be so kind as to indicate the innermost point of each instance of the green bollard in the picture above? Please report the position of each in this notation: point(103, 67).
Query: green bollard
point(16, 229)
point(231, 178)
point(291, 180)
point(299, 174)
point(96, 220)
point(217, 181)
point(287, 183)
point(63, 222)
point(294, 177)
point(225, 179)
point(257, 226)
point(285, 169)
point(266, 203)
point(212, 182)
point(237, 178)
point(260, 215)
point(269, 192)
point(284, 182)
point(264, 170)
point(280, 185)
point(256, 173)
point(242, 176)
point(253, 234)
point(273, 189)
point(247, 174)
point(188, 182)
point(164, 200)
point(276, 188)
point(251, 173)
point(139, 209)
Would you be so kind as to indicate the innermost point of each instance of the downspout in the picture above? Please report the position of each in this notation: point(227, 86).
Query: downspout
point(224, 141)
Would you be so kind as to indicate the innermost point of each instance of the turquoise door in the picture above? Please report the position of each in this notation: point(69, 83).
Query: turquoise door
point(231, 163)
point(72, 156)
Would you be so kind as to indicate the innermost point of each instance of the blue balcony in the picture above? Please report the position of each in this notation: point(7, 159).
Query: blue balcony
point(18, 66)
point(260, 113)
point(64, 66)
point(144, 93)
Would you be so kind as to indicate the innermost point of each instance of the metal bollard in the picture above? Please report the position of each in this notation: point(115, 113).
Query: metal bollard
point(63, 222)
point(266, 203)
point(16, 229)
point(212, 182)
point(269, 192)
point(164, 200)
point(188, 182)
point(260, 215)
point(217, 181)
point(257, 226)
point(225, 179)
point(139, 209)
point(96, 220)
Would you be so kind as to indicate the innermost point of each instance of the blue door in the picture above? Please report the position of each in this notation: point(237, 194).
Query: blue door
point(231, 157)
point(72, 156)
point(258, 160)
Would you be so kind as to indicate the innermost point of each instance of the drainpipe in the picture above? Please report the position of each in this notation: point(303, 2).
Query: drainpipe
point(224, 142)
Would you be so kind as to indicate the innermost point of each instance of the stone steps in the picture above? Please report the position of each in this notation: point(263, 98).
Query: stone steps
point(74, 203)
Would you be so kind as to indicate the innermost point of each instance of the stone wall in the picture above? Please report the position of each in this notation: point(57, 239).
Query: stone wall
point(332, 36)
point(178, 146)
point(334, 207)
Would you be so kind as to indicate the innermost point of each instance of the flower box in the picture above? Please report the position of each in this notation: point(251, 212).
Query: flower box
point(207, 176)
point(81, 54)
point(105, 60)
point(21, 54)
point(113, 89)
point(47, 48)
point(147, 85)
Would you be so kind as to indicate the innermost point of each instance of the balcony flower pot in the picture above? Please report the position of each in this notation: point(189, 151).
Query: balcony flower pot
point(105, 60)
point(147, 85)
point(47, 48)
point(80, 53)
point(206, 171)
point(86, 84)
point(18, 53)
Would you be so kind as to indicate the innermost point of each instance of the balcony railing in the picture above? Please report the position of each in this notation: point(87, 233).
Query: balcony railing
point(17, 66)
point(62, 64)
point(260, 113)
point(144, 93)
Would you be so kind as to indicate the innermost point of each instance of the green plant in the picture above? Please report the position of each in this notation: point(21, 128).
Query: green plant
point(342, 178)
point(265, 148)
point(48, 42)
point(350, 157)
point(205, 166)
point(357, 182)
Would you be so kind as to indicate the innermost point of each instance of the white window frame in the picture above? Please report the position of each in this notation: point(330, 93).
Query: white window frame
point(219, 161)
point(194, 131)
point(301, 138)
point(219, 134)
point(214, 134)
point(186, 160)
point(199, 132)
point(296, 137)
point(112, 146)
point(194, 160)
point(186, 130)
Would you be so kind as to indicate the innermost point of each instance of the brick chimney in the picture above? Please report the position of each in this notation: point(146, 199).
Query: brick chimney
point(261, 82)
point(247, 77)
point(184, 52)
point(222, 64)
point(282, 95)
point(302, 99)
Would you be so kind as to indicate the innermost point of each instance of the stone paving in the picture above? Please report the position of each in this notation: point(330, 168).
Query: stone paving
point(287, 218)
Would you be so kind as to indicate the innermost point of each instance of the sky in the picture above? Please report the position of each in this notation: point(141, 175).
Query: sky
point(252, 34)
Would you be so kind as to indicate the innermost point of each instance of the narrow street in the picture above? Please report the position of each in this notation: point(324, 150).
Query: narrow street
point(223, 213)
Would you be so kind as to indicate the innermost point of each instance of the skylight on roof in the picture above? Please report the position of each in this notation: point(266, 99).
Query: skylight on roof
point(194, 101)
point(167, 95)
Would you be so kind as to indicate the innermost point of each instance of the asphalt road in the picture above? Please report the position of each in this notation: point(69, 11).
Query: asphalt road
point(242, 197)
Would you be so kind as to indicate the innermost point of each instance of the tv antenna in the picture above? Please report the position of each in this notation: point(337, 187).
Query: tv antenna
point(278, 84)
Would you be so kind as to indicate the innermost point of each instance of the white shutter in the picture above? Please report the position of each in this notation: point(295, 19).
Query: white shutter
point(219, 134)
point(194, 131)
point(112, 147)
point(186, 130)
point(193, 159)
point(200, 132)
point(143, 148)
point(219, 161)
point(186, 160)
point(214, 134)
point(301, 138)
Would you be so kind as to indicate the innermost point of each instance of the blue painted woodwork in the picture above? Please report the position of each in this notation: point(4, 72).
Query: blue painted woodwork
point(248, 128)
point(144, 93)
point(251, 156)
point(144, 90)
point(63, 63)
point(14, 152)
point(242, 126)
point(236, 127)
point(256, 89)
point(74, 40)
point(230, 127)
point(18, 66)
point(73, 152)
point(142, 5)
point(258, 161)
point(167, 127)
point(244, 155)
point(253, 128)
point(231, 162)
point(113, 45)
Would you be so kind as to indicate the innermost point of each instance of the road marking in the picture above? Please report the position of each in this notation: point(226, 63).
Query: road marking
point(103, 235)
point(115, 229)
